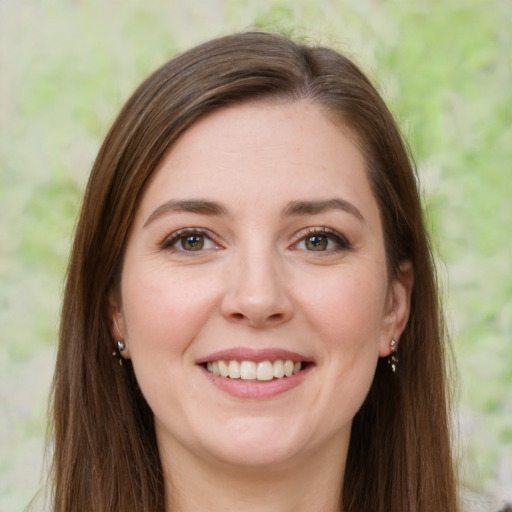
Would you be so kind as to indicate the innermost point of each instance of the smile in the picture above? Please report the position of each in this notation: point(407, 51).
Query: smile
point(254, 370)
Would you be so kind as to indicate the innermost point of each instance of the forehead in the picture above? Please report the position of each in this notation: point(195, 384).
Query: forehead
point(246, 152)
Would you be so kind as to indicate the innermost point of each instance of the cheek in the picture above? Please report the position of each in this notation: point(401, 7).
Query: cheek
point(347, 308)
point(347, 313)
point(164, 314)
point(164, 310)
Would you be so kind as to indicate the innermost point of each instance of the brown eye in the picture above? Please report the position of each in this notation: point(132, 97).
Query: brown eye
point(316, 243)
point(322, 240)
point(192, 242)
point(189, 240)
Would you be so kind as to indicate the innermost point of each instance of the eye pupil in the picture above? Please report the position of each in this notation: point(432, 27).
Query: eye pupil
point(316, 243)
point(192, 242)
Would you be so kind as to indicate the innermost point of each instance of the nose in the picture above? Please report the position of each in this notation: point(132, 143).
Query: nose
point(257, 294)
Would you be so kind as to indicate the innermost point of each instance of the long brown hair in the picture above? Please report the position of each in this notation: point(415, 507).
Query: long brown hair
point(105, 452)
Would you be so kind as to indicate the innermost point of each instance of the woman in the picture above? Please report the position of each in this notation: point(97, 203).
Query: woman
point(252, 252)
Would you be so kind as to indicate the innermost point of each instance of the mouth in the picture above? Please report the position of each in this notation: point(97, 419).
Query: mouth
point(255, 371)
point(256, 374)
point(261, 367)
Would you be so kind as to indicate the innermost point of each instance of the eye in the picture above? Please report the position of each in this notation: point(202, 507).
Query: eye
point(316, 243)
point(189, 240)
point(322, 240)
point(192, 242)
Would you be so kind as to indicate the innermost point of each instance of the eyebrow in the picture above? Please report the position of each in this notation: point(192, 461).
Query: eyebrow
point(199, 206)
point(294, 208)
point(319, 206)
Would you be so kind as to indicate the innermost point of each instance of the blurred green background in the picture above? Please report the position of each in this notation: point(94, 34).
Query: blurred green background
point(444, 67)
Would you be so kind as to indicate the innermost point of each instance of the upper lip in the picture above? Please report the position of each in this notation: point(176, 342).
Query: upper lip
point(251, 354)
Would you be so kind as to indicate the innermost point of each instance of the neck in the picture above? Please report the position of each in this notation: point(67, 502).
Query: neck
point(311, 484)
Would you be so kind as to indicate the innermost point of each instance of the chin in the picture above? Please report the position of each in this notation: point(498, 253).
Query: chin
point(260, 443)
point(257, 455)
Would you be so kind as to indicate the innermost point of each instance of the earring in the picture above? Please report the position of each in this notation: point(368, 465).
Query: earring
point(119, 347)
point(393, 358)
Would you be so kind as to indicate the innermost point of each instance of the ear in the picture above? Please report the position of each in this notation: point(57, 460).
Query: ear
point(397, 307)
point(117, 324)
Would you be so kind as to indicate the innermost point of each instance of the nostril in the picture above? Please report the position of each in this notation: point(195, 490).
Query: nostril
point(271, 319)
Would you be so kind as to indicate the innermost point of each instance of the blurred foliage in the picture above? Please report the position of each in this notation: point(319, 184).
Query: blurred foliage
point(444, 66)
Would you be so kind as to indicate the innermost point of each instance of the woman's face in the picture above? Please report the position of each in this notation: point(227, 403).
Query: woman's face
point(258, 241)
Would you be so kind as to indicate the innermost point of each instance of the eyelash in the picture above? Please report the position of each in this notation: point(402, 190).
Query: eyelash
point(170, 242)
point(342, 243)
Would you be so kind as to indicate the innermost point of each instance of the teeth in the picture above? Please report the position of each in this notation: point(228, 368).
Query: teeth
point(223, 369)
point(264, 371)
point(234, 370)
point(250, 370)
point(288, 368)
point(278, 369)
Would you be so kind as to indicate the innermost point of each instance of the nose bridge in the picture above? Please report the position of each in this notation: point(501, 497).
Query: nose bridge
point(256, 292)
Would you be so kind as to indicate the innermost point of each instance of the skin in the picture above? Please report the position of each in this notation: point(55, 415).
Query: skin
point(256, 283)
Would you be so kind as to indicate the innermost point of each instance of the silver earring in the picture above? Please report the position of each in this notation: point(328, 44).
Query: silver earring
point(119, 347)
point(393, 358)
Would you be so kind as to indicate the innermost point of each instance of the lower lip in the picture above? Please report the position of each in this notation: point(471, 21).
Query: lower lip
point(256, 390)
